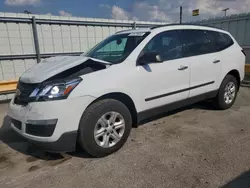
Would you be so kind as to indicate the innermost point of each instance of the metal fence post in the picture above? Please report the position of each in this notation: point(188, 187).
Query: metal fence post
point(180, 14)
point(36, 42)
point(134, 25)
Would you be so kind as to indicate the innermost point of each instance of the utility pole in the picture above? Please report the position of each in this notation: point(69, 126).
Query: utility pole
point(180, 14)
point(225, 10)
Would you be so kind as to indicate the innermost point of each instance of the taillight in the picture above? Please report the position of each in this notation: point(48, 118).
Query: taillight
point(243, 52)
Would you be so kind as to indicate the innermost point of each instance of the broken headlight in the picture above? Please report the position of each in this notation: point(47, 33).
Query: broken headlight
point(54, 90)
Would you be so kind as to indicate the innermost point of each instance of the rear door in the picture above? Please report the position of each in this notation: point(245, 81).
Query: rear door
point(205, 63)
point(225, 53)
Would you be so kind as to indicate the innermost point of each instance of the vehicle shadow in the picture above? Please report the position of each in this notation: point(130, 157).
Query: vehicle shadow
point(20, 144)
point(242, 181)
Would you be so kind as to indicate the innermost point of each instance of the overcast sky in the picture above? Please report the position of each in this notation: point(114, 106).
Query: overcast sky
point(149, 10)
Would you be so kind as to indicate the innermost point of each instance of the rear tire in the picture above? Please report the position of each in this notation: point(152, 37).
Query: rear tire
point(104, 127)
point(227, 93)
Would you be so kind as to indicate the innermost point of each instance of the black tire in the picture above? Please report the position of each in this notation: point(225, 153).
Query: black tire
point(219, 101)
point(89, 119)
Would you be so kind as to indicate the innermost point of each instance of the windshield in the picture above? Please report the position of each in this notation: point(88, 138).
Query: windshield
point(116, 48)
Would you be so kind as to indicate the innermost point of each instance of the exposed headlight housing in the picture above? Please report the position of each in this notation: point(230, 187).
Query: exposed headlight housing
point(54, 90)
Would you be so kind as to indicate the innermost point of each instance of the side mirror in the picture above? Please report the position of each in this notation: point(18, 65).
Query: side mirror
point(149, 57)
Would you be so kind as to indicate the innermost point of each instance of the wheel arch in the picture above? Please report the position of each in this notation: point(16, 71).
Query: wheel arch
point(125, 99)
point(236, 74)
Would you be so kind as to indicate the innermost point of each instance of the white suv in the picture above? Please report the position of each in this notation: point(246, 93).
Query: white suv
point(94, 99)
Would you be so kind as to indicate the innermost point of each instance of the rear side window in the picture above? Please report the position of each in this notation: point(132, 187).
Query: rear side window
point(196, 42)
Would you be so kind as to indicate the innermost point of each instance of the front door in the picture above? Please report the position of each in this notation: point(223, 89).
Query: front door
point(166, 82)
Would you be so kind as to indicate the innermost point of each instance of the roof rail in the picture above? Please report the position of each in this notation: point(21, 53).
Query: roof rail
point(124, 31)
point(190, 24)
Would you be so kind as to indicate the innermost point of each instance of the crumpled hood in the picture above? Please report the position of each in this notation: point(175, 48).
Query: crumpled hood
point(52, 66)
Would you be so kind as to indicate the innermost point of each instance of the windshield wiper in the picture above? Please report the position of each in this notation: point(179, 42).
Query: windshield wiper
point(101, 61)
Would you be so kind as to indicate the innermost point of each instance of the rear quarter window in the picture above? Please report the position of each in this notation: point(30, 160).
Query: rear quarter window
point(222, 41)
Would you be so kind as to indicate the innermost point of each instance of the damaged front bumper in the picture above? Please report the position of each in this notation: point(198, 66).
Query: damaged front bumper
point(51, 125)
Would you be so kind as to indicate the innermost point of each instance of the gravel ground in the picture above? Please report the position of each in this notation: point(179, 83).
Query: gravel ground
point(191, 147)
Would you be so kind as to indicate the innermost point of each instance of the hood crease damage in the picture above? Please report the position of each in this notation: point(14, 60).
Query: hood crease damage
point(62, 67)
point(79, 70)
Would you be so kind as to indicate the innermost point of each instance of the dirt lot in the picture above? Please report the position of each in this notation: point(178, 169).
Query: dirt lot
point(192, 147)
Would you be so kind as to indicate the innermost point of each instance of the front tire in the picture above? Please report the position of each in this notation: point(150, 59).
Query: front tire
point(104, 127)
point(227, 93)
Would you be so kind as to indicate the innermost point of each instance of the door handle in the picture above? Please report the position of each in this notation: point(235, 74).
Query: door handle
point(216, 61)
point(182, 67)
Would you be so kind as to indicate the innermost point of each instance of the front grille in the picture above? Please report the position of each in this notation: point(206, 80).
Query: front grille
point(17, 124)
point(24, 92)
